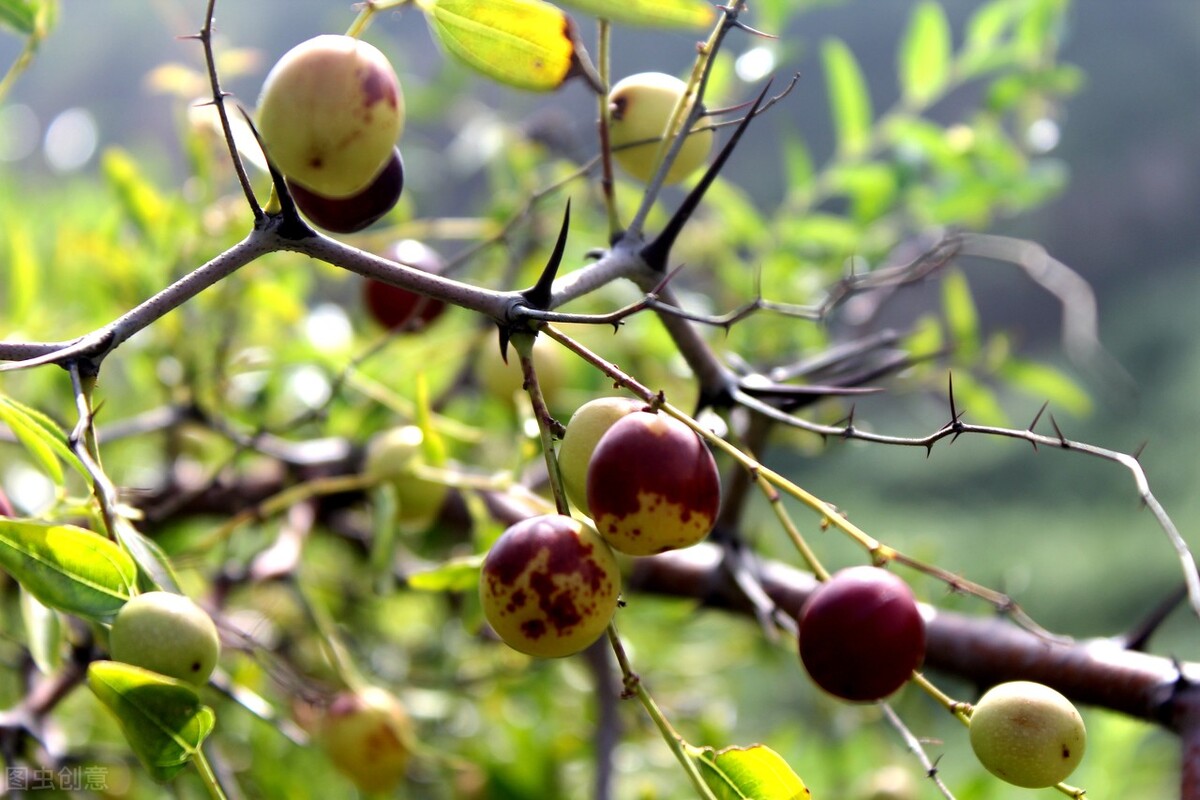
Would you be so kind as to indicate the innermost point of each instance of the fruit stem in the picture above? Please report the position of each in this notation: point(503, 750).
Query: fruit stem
point(603, 38)
point(678, 745)
point(798, 540)
point(207, 776)
point(359, 26)
point(524, 346)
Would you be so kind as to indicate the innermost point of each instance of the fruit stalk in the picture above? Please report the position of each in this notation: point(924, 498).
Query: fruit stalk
point(635, 687)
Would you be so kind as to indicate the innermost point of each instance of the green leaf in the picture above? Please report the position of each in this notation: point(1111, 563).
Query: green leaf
point(19, 15)
point(924, 55)
point(528, 44)
point(962, 318)
point(690, 14)
point(797, 163)
point(67, 568)
point(456, 575)
point(1044, 382)
point(142, 203)
point(148, 556)
point(24, 273)
point(749, 773)
point(162, 718)
point(43, 632)
point(849, 100)
point(42, 438)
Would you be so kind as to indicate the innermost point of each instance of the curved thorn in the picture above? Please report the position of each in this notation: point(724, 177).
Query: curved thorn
point(538, 296)
point(655, 254)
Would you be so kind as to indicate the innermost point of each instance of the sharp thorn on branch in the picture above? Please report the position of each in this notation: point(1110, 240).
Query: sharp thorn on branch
point(539, 295)
point(656, 253)
point(294, 227)
point(1062, 440)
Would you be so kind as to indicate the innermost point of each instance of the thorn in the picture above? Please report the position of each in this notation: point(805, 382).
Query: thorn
point(737, 23)
point(1137, 454)
point(953, 410)
point(1036, 418)
point(539, 295)
point(504, 337)
point(656, 253)
point(295, 227)
point(1062, 440)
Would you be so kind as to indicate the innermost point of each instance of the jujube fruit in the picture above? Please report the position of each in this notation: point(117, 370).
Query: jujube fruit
point(504, 380)
point(861, 634)
point(652, 485)
point(396, 308)
point(330, 112)
point(1027, 734)
point(589, 422)
point(359, 210)
point(166, 633)
point(549, 586)
point(640, 108)
point(368, 737)
point(391, 456)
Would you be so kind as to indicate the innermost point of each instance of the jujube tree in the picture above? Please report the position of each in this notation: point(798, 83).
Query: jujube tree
point(395, 522)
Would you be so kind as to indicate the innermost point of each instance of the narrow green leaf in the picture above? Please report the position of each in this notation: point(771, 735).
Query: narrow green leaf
point(1044, 382)
point(141, 201)
point(43, 632)
point(456, 575)
point(67, 568)
point(162, 718)
point(148, 556)
point(44, 433)
point(33, 439)
point(528, 44)
point(24, 273)
point(750, 773)
point(849, 100)
point(689, 14)
point(961, 316)
point(924, 54)
point(797, 163)
point(19, 15)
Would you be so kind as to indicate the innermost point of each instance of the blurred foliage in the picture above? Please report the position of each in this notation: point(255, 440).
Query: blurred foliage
point(284, 348)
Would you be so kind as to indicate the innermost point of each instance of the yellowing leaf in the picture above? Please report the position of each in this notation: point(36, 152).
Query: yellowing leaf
point(692, 14)
point(750, 773)
point(528, 44)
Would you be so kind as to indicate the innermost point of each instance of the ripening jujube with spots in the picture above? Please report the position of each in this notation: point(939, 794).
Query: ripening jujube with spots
point(330, 113)
point(652, 485)
point(549, 586)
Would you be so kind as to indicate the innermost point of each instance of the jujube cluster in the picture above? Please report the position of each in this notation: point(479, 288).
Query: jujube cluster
point(861, 634)
point(549, 586)
point(330, 113)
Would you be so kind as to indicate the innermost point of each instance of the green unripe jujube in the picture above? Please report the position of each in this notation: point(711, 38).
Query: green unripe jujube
point(1027, 734)
point(589, 422)
point(641, 107)
point(168, 634)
